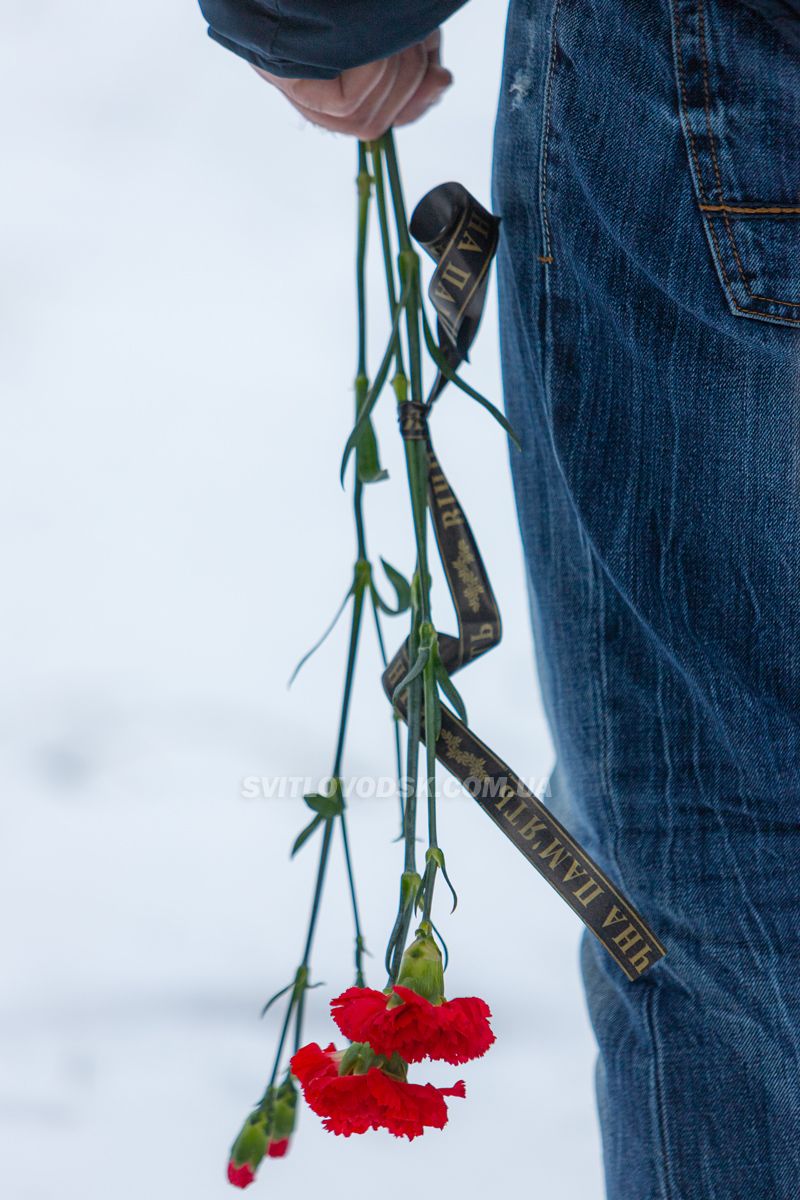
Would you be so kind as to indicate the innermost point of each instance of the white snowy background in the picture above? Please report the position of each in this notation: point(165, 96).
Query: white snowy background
point(176, 351)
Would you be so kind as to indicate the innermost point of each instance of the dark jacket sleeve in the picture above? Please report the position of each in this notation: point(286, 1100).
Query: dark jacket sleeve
point(317, 39)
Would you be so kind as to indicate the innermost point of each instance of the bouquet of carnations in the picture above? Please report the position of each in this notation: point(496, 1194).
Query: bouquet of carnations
point(364, 1083)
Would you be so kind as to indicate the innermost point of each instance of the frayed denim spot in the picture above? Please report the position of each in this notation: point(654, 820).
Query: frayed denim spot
point(520, 89)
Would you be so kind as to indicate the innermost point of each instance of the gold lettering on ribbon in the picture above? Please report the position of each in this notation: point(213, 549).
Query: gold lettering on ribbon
point(452, 515)
point(479, 224)
point(553, 854)
point(575, 871)
point(456, 276)
point(506, 793)
point(615, 917)
point(588, 892)
point(512, 817)
point(486, 633)
point(628, 938)
point(531, 828)
point(499, 792)
point(463, 566)
point(641, 959)
point(453, 746)
point(468, 243)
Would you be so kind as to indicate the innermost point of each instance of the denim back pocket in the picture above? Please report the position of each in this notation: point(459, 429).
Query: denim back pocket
point(739, 93)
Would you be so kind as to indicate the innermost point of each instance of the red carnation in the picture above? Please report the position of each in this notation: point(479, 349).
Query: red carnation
point(372, 1096)
point(454, 1031)
point(242, 1176)
point(277, 1149)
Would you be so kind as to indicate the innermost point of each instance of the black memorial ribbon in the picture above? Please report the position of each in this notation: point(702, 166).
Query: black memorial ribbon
point(461, 237)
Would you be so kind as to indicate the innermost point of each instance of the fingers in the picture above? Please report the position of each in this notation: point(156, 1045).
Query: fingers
point(345, 96)
point(412, 68)
point(376, 111)
point(366, 101)
point(433, 46)
point(436, 82)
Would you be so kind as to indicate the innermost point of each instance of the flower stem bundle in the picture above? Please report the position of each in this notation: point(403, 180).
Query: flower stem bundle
point(365, 1085)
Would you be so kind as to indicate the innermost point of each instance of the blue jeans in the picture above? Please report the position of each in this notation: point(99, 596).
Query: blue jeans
point(647, 171)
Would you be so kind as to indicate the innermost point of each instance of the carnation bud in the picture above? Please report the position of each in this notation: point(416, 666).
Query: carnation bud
point(249, 1149)
point(421, 968)
point(357, 1059)
point(284, 1118)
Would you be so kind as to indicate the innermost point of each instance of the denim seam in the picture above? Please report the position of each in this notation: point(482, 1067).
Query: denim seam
point(547, 256)
point(602, 710)
point(664, 1163)
point(709, 220)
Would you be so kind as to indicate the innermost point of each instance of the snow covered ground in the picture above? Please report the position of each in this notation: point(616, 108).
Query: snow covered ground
point(176, 348)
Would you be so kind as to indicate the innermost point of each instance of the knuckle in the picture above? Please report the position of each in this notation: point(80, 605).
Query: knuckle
point(341, 106)
point(322, 96)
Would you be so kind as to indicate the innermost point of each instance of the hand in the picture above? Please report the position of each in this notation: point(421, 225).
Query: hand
point(366, 101)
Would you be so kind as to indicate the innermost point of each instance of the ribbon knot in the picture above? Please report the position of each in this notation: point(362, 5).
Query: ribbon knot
point(412, 418)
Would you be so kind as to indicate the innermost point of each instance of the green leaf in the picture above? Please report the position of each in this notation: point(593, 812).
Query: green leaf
point(305, 834)
point(368, 466)
point(402, 589)
point(326, 805)
point(452, 377)
point(445, 951)
point(320, 641)
point(451, 692)
point(437, 728)
point(400, 584)
point(277, 996)
point(414, 673)
point(432, 703)
point(436, 854)
point(377, 386)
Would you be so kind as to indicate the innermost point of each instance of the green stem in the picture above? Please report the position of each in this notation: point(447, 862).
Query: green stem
point(297, 994)
point(431, 709)
point(407, 256)
point(299, 1001)
point(359, 936)
point(396, 723)
point(296, 1004)
point(416, 459)
point(417, 470)
point(386, 242)
point(352, 654)
point(414, 702)
point(355, 631)
point(414, 711)
point(363, 186)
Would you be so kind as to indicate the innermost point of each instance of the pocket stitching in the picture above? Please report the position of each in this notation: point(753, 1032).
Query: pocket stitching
point(701, 16)
point(751, 210)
